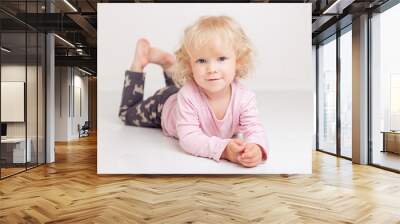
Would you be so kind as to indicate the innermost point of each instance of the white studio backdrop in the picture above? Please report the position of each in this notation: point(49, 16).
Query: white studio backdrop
point(282, 80)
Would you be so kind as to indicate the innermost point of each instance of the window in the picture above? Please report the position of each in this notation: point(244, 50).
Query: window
point(327, 96)
point(346, 93)
point(385, 89)
point(22, 66)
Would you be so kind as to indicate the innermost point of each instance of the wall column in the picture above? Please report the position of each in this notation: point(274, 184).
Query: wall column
point(360, 90)
point(50, 91)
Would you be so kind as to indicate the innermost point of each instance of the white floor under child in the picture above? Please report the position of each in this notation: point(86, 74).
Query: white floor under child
point(287, 117)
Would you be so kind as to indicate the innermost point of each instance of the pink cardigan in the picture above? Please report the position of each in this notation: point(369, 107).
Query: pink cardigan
point(188, 117)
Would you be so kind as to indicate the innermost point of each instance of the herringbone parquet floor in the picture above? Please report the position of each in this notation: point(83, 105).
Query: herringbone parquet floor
point(70, 191)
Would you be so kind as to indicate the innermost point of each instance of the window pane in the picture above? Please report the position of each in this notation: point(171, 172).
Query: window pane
point(327, 97)
point(386, 88)
point(346, 93)
point(31, 97)
point(14, 153)
point(41, 98)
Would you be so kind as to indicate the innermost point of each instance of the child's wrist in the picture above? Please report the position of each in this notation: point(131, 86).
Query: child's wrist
point(262, 153)
point(223, 155)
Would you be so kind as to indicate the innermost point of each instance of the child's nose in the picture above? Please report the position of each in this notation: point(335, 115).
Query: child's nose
point(211, 68)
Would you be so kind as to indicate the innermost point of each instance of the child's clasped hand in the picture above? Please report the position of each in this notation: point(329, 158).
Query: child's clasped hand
point(245, 154)
point(251, 156)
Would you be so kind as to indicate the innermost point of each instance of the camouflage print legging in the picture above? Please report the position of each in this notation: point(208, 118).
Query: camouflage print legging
point(147, 113)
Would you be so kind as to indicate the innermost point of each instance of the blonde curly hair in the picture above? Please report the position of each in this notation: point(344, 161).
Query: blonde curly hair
point(201, 34)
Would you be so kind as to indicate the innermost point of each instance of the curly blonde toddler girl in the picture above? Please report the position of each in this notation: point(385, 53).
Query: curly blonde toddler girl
point(203, 105)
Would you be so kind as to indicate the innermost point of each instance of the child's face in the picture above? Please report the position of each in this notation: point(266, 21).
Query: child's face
point(213, 67)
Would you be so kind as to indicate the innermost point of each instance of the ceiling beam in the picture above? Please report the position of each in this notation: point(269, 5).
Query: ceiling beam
point(83, 23)
point(83, 61)
point(337, 7)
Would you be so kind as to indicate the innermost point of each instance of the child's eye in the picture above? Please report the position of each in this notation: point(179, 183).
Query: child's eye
point(223, 58)
point(201, 61)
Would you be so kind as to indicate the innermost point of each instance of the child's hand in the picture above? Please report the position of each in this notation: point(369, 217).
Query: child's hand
point(252, 155)
point(233, 150)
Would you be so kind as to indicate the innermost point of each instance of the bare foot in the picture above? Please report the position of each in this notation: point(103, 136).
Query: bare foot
point(142, 54)
point(162, 58)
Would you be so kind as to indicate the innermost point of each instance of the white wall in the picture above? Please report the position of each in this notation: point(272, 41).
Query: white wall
point(80, 83)
point(61, 103)
point(264, 24)
point(68, 81)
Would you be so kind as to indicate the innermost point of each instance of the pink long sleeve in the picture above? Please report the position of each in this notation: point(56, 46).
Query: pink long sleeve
point(188, 117)
point(250, 124)
point(191, 138)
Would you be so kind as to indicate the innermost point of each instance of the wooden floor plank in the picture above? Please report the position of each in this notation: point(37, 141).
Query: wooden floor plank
point(70, 191)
